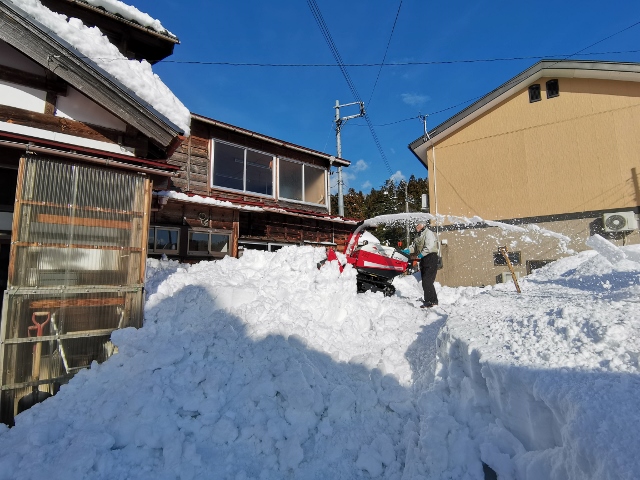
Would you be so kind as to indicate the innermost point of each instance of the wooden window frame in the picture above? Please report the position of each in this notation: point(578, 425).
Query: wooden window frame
point(210, 232)
point(304, 166)
point(244, 170)
point(166, 252)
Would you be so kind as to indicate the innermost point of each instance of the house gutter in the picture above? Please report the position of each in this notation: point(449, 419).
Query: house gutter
point(30, 148)
point(331, 159)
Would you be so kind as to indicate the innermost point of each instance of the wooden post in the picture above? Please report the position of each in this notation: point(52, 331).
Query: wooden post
point(144, 241)
point(503, 251)
point(17, 212)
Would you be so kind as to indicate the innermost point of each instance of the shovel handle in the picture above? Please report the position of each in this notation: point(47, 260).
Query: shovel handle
point(37, 348)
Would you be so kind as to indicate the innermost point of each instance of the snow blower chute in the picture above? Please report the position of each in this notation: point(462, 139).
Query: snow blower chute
point(377, 265)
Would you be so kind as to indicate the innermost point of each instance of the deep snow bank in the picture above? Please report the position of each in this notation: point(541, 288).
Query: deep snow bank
point(542, 385)
point(260, 367)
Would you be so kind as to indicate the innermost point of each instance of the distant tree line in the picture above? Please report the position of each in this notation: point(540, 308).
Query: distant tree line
point(388, 199)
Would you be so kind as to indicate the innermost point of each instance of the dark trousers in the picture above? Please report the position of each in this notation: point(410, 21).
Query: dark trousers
point(428, 270)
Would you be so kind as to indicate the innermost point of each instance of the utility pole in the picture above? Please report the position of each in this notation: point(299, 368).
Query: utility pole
point(340, 121)
point(406, 207)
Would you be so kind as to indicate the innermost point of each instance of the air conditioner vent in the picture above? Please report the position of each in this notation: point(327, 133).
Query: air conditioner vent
point(505, 277)
point(619, 222)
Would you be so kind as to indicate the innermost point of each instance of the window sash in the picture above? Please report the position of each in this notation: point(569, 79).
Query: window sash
point(174, 246)
point(209, 242)
point(302, 183)
point(238, 168)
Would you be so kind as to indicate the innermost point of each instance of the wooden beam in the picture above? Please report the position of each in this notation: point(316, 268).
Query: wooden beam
point(76, 302)
point(74, 245)
point(82, 221)
point(17, 215)
point(50, 103)
point(43, 121)
point(49, 83)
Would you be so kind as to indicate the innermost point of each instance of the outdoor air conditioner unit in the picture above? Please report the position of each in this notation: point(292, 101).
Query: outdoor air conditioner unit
point(505, 277)
point(619, 222)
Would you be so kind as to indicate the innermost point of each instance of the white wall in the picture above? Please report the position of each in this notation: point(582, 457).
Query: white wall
point(10, 57)
point(74, 106)
point(18, 96)
point(78, 107)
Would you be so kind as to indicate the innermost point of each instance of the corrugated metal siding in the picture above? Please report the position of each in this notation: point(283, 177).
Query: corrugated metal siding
point(77, 267)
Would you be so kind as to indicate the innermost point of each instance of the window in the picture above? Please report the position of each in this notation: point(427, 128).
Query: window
point(553, 89)
point(534, 93)
point(241, 169)
point(164, 240)
point(208, 243)
point(499, 260)
point(263, 246)
point(536, 264)
point(302, 183)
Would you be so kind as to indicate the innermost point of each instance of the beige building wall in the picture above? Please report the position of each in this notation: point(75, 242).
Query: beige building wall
point(576, 152)
point(468, 254)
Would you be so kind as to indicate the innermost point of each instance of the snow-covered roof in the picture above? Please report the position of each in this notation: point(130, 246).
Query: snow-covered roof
point(183, 197)
point(131, 13)
point(137, 76)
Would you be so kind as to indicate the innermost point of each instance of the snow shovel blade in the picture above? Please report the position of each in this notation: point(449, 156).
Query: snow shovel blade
point(31, 399)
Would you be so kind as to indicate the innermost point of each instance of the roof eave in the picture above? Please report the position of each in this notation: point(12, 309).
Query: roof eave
point(53, 53)
point(544, 68)
point(164, 36)
point(325, 156)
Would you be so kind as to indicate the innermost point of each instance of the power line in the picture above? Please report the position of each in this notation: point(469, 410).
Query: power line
point(564, 58)
point(420, 116)
point(394, 64)
point(385, 53)
point(317, 15)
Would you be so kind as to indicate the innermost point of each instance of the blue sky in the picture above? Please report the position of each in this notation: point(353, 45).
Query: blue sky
point(295, 104)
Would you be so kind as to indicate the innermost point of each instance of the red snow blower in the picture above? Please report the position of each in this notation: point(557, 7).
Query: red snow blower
point(377, 265)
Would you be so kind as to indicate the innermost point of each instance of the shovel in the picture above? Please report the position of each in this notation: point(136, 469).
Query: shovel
point(36, 396)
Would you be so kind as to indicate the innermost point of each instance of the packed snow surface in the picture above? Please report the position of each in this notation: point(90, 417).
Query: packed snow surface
point(136, 75)
point(266, 367)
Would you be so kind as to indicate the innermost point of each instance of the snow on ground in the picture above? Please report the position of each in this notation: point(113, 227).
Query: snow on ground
point(545, 385)
point(136, 75)
point(265, 367)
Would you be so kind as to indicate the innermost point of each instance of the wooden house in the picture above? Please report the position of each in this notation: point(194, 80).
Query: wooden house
point(96, 173)
point(554, 153)
point(238, 190)
point(79, 152)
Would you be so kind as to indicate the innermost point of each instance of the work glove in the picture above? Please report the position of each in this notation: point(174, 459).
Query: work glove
point(406, 251)
point(419, 256)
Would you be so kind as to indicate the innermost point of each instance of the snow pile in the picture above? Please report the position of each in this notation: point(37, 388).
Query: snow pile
point(543, 385)
point(136, 75)
point(259, 367)
point(130, 13)
point(265, 367)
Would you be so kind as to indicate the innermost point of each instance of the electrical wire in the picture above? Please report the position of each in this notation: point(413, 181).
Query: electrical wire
point(394, 64)
point(477, 98)
point(317, 15)
point(385, 54)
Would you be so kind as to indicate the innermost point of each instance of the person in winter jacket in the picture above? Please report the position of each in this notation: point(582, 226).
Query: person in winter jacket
point(425, 246)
